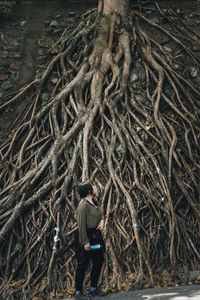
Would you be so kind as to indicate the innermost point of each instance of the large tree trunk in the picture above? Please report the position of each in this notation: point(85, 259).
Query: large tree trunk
point(143, 154)
point(116, 6)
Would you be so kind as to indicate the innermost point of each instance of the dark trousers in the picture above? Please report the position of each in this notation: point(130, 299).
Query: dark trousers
point(97, 257)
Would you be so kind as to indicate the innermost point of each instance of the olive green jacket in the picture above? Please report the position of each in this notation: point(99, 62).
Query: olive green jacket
point(88, 216)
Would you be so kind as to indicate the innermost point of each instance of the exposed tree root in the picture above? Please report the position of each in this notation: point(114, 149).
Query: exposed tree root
point(143, 154)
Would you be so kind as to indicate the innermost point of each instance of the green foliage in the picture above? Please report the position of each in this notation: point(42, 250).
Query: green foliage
point(101, 16)
point(161, 260)
point(8, 5)
point(18, 247)
point(119, 150)
point(44, 98)
point(110, 262)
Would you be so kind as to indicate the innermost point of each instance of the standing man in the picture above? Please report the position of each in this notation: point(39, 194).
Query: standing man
point(90, 224)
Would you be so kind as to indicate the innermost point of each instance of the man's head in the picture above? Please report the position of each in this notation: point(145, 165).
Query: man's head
point(85, 189)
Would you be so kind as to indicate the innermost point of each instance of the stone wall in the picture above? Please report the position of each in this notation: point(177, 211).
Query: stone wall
point(31, 31)
point(26, 36)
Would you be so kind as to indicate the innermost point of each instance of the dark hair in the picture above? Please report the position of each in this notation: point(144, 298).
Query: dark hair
point(84, 189)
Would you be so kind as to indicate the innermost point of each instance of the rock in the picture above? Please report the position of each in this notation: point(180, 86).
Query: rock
point(141, 97)
point(40, 52)
point(71, 151)
point(14, 66)
point(23, 23)
point(195, 48)
point(157, 20)
point(14, 43)
point(134, 77)
point(58, 31)
point(70, 20)
point(154, 20)
point(177, 67)
point(3, 77)
point(194, 72)
point(71, 13)
point(14, 75)
point(63, 24)
point(167, 49)
point(17, 55)
point(173, 18)
point(192, 275)
point(54, 23)
point(7, 85)
point(179, 58)
point(54, 51)
point(54, 80)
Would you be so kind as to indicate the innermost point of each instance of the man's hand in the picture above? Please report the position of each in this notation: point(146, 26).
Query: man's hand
point(100, 226)
point(87, 247)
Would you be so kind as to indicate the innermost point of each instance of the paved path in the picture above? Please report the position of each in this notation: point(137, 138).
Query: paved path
point(191, 292)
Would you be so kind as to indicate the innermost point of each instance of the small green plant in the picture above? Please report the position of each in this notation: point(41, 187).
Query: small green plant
point(18, 247)
point(101, 16)
point(48, 234)
point(8, 5)
point(98, 38)
point(161, 260)
point(119, 150)
point(44, 98)
point(94, 13)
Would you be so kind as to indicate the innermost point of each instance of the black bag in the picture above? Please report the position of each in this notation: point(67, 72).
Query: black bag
point(95, 237)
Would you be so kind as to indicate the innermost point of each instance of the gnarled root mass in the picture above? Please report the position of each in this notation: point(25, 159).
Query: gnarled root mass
point(138, 141)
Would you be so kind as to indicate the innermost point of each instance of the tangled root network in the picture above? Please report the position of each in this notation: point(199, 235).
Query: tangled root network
point(124, 116)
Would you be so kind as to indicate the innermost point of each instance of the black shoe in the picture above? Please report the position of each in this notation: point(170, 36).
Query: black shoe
point(81, 297)
point(97, 293)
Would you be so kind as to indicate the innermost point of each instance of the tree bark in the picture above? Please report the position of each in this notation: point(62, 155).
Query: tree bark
point(116, 6)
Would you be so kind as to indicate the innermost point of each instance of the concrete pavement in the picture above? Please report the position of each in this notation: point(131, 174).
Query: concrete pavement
point(191, 292)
